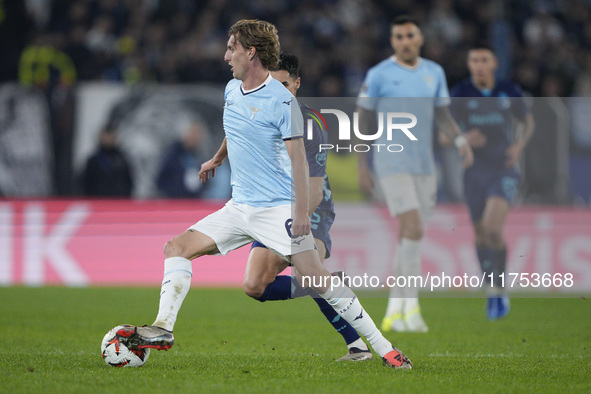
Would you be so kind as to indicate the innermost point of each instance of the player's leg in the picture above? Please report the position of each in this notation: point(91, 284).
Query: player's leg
point(219, 232)
point(178, 271)
point(265, 223)
point(403, 202)
point(178, 253)
point(346, 304)
point(492, 223)
point(426, 190)
point(261, 280)
point(358, 350)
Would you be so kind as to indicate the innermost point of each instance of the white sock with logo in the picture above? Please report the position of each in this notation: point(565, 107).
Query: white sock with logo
point(410, 267)
point(175, 286)
point(396, 300)
point(346, 304)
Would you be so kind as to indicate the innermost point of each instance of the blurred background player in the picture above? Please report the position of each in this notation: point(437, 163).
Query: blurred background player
point(492, 182)
point(107, 172)
point(261, 279)
point(407, 178)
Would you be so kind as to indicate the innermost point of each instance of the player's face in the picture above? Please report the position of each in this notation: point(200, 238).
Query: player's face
point(287, 80)
point(237, 57)
point(407, 41)
point(482, 64)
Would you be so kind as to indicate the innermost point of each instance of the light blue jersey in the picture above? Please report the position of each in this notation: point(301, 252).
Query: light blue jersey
point(392, 87)
point(257, 123)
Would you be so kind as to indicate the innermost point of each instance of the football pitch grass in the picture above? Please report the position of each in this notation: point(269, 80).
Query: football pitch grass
point(226, 342)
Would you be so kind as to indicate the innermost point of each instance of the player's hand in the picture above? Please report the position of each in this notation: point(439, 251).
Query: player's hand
point(207, 170)
point(366, 183)
point(300, 225)
point(466, 152)
point(512, 154)
point(475, 138)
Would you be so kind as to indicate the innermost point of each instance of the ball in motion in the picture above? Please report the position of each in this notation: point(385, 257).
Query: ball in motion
point(116, 354)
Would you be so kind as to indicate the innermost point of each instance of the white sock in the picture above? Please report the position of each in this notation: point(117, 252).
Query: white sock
point(358, 343)
point(411, 266)
point(346, 304)
point(175, 286)
point(396, 300)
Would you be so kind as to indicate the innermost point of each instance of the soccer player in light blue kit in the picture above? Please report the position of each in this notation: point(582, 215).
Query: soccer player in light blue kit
point(264, 130)
point(408, 83)
point(261, 279)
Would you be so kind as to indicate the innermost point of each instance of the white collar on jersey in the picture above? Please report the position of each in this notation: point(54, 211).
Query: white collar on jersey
point(419, 61)
point(266, 81)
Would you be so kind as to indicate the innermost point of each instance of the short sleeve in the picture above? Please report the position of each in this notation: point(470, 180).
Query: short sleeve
point(291, 122)
point(442, 94)
point(316, 157)
point(369, 93)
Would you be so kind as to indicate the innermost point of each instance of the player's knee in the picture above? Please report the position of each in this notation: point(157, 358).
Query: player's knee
point(254, 289)
point(173, 249)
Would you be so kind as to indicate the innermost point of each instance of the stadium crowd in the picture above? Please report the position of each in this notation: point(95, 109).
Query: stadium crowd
point(543, 44)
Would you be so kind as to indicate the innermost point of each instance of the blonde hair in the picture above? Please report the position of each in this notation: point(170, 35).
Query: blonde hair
point(262, 36)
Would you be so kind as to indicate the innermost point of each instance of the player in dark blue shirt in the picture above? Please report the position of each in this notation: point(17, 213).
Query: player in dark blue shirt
point(487, 110)
point(261, 279)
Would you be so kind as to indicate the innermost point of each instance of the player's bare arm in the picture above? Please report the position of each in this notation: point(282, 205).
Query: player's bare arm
point(367, 123)
point(208, 168)
point(524, 132)
point(301, 221)
point(448, 125)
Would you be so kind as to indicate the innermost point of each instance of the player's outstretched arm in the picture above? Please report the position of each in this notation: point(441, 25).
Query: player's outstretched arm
point(367, 123)
point(208, 168)
point(523, 136)
point(448, 125)
point(301, 220)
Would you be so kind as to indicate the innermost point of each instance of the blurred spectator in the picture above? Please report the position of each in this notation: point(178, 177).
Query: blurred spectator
point(45, 66)
point(179, 172)
point(107, 172)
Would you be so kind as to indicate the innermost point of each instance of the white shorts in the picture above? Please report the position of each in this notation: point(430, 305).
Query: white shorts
point(405, 192)
point(236, 225)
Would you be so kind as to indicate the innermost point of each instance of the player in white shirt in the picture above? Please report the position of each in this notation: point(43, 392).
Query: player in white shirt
point(407, 83)
point(264, 130)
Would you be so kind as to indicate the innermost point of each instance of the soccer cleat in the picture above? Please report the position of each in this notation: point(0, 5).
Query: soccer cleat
point(504, 307)
point(152, 337)
point(356, 354)
point(397, 360)
point(414, 321)
point(394, 322)
point(492, 308)
point(497, 307)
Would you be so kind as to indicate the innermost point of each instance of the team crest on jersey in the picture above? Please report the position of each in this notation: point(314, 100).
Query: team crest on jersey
point(428, 80)
point(504, 100)
point(254, 111)
point(321, 158)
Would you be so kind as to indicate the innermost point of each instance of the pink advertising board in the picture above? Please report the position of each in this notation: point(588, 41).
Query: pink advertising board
point(119, 242)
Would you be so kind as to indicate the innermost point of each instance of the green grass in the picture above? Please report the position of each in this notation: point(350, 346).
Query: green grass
point(226, 342)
